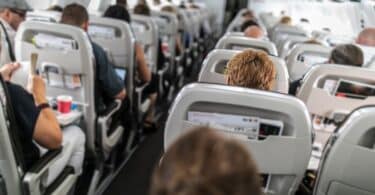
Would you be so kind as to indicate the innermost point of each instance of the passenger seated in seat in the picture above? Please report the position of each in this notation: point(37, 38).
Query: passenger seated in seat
point(248, 15)
point(367, 37)
point(251, 69)
point(12, 14)
point(203, 162)
point(173, 10)
point(248, 23)
point(55, 8)
point(151, 91)
point(142, 9)
point(109, 85)
point(347, 54)
point(36, 121)
point(286, 20)
point(254, 32)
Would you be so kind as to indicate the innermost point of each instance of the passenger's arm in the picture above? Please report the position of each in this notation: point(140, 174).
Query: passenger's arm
point(47, 131)
point(179, 44)
point(143, 69)
point(121, 95)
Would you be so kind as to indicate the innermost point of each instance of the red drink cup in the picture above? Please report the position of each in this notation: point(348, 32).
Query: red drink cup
point(64, 104)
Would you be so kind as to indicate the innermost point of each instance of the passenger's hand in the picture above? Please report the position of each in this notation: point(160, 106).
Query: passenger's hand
point(8, 69)
point(37, 88)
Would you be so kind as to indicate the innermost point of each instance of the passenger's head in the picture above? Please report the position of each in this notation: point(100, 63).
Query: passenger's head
point(142, 9)
point(286, 20)
point(203, 162)
point(56, 8)
point(75, 15)
point(247, 24)
point(248, 15)
point(117, 12)
point(313, 41)
point(122, 3)
point(14, 12)
point(169, 9)
point(254, 32)
point(347, 54)
point(367, 37)
point(157, 2)
point(251, 69)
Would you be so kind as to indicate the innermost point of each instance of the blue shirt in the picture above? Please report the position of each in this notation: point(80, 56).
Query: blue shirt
point(108, 84)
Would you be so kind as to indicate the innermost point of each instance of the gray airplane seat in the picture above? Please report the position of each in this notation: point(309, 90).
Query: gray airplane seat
point(287, 43)
point(332, 92)
point(303, 56)
point(168, 31)
point(15, 177)
point(349, 157)
point(186, 26)
point(117, 39)
point(44, 16)
point(283, 33)
point(215, 63)
point(248, 116)
point(241, 43)
point(67, 62)
point(235, 25)
point(268, 20)
point(369, 56)
point(147, 33)
point(335, 90)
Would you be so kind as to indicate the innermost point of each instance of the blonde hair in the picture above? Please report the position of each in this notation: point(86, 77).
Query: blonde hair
point(286, 20)
point(203, 162)
point(251, 69)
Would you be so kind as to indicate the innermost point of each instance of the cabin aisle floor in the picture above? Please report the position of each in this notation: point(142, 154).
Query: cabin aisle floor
point(134, 178)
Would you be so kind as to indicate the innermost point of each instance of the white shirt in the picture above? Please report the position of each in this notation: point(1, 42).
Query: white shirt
point(4, 53)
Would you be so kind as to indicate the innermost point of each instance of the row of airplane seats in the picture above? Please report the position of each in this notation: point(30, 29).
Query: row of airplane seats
point(66, 61)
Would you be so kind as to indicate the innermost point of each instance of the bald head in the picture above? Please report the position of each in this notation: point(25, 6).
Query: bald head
point(254, 32)
point(367, 37)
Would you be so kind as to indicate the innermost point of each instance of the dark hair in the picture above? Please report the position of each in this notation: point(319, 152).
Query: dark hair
point(74, 14)
point(117, 12)
point(142, 9)
point(55, 8)
point(203, 162)
point(122, 2)
point(247, 24)
point(347, 54)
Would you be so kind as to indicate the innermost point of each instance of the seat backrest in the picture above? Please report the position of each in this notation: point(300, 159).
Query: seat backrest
point(279, 31)
point(303, 56)
point(43, 16)
point(288, 42)
point(214, 65)
point(320, 83)
point(241, 43)
point(348, 159)
point(283, 155)
point(67, 50)
point(147, 33)
point(9, 174)
point(236, 22)
point(369, 56)
point(168, 29)
point(268, 20)
point(116, 37)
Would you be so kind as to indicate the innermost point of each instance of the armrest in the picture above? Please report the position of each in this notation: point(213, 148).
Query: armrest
point(139, 89)
point(46, 159)
point(35, 180)
point(110, 110)
point(164, 70)
point(109, 141)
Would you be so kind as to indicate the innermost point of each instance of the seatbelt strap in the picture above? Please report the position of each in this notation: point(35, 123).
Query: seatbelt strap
point(10, 47)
